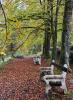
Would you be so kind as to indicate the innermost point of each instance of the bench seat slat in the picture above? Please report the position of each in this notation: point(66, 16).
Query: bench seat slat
point(53, 77)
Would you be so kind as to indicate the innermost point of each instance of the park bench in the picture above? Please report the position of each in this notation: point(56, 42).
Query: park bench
point(47, 70)
point(37, 60)
point(54, 80)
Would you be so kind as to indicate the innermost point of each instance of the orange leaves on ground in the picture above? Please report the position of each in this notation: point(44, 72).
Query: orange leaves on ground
point(20, 80)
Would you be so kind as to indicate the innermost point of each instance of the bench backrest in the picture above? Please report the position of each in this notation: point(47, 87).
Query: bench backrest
point(37, 60)
point(64, 70)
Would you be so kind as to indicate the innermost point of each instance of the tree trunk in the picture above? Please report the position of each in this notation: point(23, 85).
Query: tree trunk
point(54, 37)
point(65, 48)
point(54, 29)
point(47, 34)
point(46, 45)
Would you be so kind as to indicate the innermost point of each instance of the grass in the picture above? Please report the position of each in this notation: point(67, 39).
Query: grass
point(2, 64)
point(69, 95)
point(57, 71)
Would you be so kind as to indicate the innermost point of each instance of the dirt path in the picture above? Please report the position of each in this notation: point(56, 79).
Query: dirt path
point(20, 81)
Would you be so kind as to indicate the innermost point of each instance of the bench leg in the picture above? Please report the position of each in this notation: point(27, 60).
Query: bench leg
point(64, 87)
point(40, 62)
point(48, 87)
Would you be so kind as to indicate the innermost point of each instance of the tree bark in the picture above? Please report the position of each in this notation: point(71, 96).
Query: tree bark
point(47, 34)
point(54, 37)
point(54, 29)
point(5, 19)
point(65, 48)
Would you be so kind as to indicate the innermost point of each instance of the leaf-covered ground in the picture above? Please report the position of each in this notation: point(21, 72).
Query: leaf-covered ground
point(20, 80)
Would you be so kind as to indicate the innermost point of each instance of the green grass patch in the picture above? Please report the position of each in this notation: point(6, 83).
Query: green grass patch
point(57, 71)
point(2, 64)
point(69, 95)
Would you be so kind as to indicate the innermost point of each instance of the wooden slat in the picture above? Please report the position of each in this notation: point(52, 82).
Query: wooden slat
point(53, 77)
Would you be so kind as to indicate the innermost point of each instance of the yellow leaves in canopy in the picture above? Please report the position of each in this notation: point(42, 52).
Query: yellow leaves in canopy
point(18, 24)
point(2, 53)
point(8, 33)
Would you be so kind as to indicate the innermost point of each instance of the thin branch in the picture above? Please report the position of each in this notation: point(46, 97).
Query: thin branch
point(4, 17)
point(36, 30)
point(28, 27)
point(40, 2)
point(2, 25)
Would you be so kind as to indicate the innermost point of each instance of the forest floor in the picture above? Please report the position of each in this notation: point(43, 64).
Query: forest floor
point(20, 80)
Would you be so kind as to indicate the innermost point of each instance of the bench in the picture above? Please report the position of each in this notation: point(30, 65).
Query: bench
point(37, 60)
point(55, 80)
point(47, 70)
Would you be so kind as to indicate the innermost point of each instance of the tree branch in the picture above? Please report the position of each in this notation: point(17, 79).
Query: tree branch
point(22, 43)
point(4, 17)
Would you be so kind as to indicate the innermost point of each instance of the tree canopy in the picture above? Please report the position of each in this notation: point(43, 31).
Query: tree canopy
point(22, 22)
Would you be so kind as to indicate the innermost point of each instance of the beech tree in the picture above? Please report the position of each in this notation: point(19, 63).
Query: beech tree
point(40, 26)
point(47, 27)
point(65, 48)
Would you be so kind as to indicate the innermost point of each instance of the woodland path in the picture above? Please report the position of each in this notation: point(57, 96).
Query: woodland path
point(20, 80)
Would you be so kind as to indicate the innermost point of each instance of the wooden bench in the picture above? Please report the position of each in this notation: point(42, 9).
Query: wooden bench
point(37, 60)
point(47, 70)
point(55, 80)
